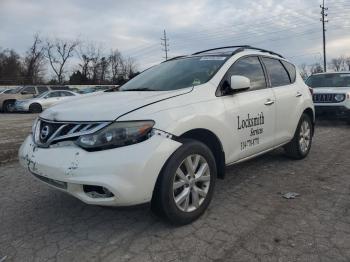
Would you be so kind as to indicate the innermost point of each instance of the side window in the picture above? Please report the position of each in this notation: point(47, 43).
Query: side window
point(29, 90)
point(54, 94)
point(278, 75)
point(66, 94)
point(251, 68)
point(42, 89)
point(291, 70)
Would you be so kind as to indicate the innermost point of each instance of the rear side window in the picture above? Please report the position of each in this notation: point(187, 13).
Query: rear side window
point(291, 70)
point(278, 75)
point(29, 90)
point(251, 68)
point(66, 94)
point(42, 89)
point(54, 94)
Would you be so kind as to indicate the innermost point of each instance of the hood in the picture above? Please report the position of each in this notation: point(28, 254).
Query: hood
point(106, 106)
point(331, 90)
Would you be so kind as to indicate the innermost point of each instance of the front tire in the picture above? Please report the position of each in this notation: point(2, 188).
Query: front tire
point(300, 145)
point(186, 184)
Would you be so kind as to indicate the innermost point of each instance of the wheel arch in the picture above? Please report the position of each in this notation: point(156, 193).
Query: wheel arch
point(212, 142)
point(310, 112)
point(35, 104)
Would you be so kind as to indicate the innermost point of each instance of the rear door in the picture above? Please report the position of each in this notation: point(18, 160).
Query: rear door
point(282, 78)
point(252, 112)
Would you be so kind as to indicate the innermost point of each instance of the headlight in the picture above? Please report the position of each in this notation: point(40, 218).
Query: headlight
point(339, 97)
point(117, 134)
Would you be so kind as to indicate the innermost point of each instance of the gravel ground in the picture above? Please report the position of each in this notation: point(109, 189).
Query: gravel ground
point(13, 129)
point(248, 220)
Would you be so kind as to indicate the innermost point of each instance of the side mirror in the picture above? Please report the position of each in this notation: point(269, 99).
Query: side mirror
point(239, 83)
point(24, 93)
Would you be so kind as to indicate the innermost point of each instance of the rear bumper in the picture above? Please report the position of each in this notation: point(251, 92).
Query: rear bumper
point(339, 112)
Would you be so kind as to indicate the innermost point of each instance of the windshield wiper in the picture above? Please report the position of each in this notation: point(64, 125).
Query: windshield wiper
point(140, 89)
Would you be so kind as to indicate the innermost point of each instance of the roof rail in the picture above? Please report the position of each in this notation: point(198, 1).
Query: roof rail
point(240, 48)
point(174, 58)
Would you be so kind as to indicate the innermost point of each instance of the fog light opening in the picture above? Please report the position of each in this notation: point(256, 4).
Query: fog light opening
point(97, 191)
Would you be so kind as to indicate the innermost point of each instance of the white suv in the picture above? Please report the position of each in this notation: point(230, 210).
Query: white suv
point(170, 131)
point(331, 94)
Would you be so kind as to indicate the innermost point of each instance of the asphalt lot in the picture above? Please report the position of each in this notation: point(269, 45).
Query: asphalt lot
point(248, 220)
point(13, 129)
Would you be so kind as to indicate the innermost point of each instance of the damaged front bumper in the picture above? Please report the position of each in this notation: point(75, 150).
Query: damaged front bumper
point(115, 177)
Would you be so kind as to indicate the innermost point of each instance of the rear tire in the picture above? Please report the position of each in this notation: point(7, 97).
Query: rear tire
point(300, 145)
point(9, 106)
point(35, 108)
point(181, 195)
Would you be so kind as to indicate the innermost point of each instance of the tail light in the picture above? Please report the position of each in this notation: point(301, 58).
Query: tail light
point(311, 90)
point(348, 96)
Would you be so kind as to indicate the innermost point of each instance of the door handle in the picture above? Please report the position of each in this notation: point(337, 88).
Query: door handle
point(269, 102)
point(298, 94)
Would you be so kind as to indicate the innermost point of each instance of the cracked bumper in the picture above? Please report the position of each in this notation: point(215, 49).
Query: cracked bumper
point(128, 172)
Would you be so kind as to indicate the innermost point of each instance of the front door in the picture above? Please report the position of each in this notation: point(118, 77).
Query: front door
point(252, 112)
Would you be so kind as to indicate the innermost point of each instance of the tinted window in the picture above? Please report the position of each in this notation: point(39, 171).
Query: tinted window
point(66, 94)
point(278, 75)
point(291, 70)
point(329, 80)
point(54, 94)
point(42, 89)
point(251, 68)
point(29, 90)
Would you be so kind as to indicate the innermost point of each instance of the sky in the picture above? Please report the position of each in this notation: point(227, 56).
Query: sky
point(135, 27)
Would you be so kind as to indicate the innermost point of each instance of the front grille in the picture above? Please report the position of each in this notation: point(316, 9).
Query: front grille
point(325, 98)
point(48, 132)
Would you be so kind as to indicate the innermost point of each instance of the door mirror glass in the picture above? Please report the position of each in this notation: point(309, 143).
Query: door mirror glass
point(239, 83)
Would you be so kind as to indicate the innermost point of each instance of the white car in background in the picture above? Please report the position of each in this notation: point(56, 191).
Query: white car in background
point(331, 94)
point(43, 101)
point(169, 133)
point(5, 91)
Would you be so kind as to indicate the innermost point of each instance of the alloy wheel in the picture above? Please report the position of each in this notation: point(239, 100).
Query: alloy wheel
point(191, 183)
point(305, 136)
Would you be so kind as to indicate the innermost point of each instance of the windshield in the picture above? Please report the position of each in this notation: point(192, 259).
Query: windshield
point(176, 74)
point(329, 80)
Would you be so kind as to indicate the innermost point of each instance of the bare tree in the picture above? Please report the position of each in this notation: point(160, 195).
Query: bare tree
point(115, 59)
point(58, 52)
point(347, 62)
point(33, 61)
point(337, 63)
point(129, 67)
point(89, 54)
point(103, 66)
point(10, 67)
point(316, 68)
point(303, 71)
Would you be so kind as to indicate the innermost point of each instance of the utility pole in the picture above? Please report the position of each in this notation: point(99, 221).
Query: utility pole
point(165, 45)
point(324, 21)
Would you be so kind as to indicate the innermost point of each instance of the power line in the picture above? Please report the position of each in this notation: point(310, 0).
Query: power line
point(165, 44)
point(324, 21)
